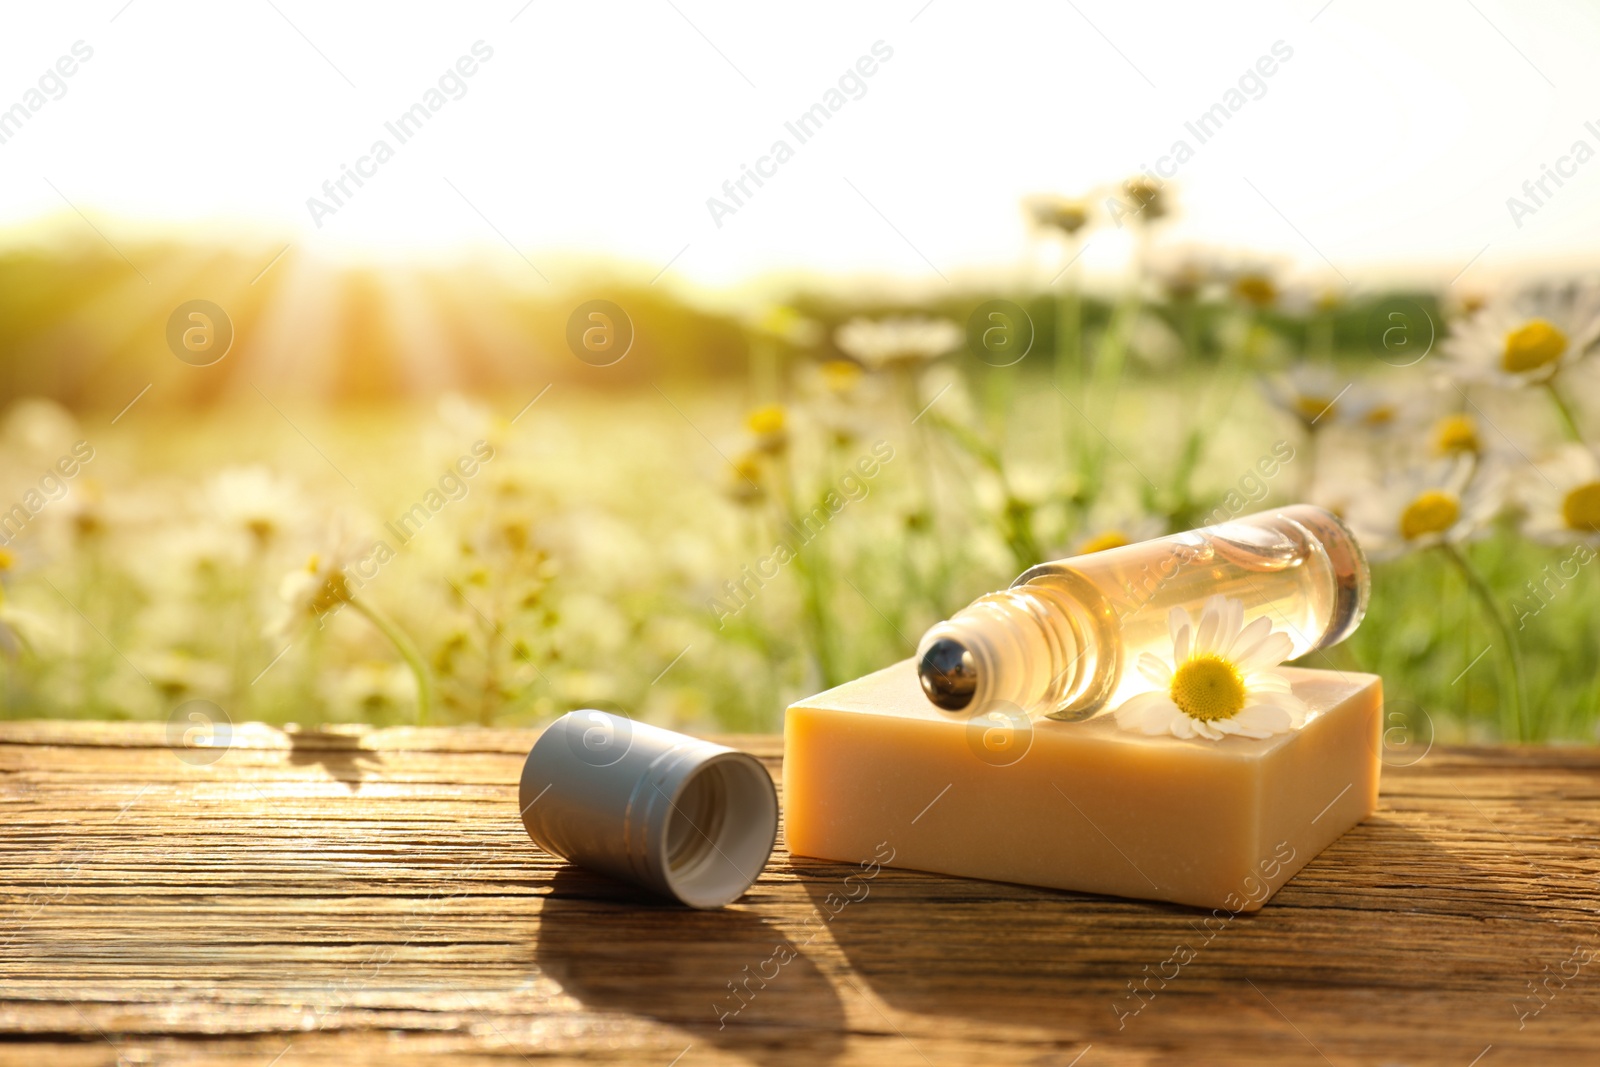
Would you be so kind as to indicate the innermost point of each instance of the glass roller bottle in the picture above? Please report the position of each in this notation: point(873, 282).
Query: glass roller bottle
point(1063, 639)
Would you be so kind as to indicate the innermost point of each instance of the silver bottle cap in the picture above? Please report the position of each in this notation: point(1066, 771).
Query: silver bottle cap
point(684, 818)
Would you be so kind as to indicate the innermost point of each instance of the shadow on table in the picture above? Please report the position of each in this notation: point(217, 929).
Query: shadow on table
point(1016, 955)
point(340, 755)
point(727, 975)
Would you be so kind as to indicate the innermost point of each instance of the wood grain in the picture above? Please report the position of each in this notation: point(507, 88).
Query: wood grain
point(354, 897)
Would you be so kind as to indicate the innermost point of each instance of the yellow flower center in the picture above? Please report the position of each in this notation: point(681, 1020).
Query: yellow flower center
point(7, 560)
point(1068, 216)
point(1381, 415)
point(1109, 539)
point(261, 528)
point(765, 420)
point(840, 375)
point(1533, 345)
point(1310, 408)
point(1455, 434)
point(1581, 508)
point(1208, 688)
point(1255, 289)
point(1433, 512)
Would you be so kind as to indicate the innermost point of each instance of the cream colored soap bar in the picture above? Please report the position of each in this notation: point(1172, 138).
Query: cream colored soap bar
point(872, 767)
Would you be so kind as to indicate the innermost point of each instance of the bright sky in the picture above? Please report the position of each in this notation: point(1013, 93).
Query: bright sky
point(1390, 139)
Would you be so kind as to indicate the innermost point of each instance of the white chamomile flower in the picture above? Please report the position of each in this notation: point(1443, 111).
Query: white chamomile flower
point(321, 586)
point(1184, 273)
point(785, 324)
point(1441, 503)
point(1220, 680)
point(1563, 501)
point(1455, 434)
point(1314, 294)
point(257, 501)
point(1050, 212)
point(1312, 394)
point(1127, 529)
point(898, 342)
point(1525, 340)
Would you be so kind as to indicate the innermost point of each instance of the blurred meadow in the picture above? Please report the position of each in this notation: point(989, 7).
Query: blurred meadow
point(468, 364)
point(412, 495)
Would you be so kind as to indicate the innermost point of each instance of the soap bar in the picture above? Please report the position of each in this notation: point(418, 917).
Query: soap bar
point(871, 769)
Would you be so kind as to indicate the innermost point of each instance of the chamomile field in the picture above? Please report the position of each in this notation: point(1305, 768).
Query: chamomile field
point(700, 547)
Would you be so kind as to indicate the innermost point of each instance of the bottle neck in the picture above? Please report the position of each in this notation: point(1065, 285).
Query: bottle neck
point(1028, 648)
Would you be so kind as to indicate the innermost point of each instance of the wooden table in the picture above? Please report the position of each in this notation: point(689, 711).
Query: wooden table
point(351, 898)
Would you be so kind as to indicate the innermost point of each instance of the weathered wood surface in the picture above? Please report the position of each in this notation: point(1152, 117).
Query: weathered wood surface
point(353, 898)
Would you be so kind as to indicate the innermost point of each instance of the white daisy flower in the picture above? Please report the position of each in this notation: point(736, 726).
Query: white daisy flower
point(1312, 394)
point(321, 586)
point(1314, 294)
point(1050, 212)
point(1255, 285)
point(1455, 434)
point(1128, 529)
point(885, 343)
point(785, 324)
point(1563, 506)
point(1219, 681)
point(1447, 502)
point(1376, 411)
point(177, 674)
point(1183, 273)
point(257, 501)
point(1527, 339)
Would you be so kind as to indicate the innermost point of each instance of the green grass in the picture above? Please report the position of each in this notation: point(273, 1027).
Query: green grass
point(581, 565)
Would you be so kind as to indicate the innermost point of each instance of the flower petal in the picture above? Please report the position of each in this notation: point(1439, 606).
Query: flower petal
point(1180, 644)
point(1182, 725)
point(1250, 638)
point(1268, 681)
point(1155, 669)
point(1292, 705)
point(1263, 720)
point(1232, 623)
point(1273, 650)
point(1177, 620)
point(1205, 638)
point(1146, 712)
